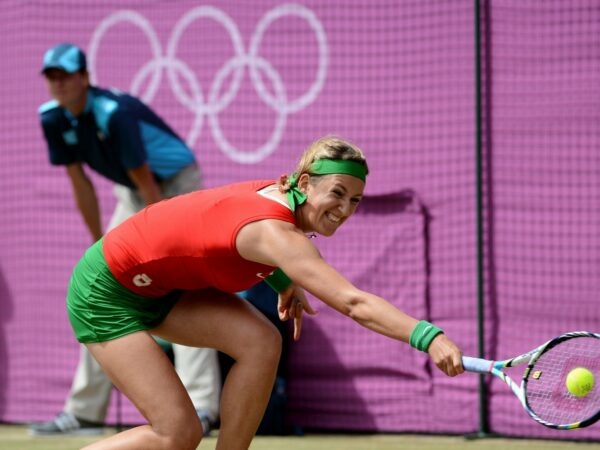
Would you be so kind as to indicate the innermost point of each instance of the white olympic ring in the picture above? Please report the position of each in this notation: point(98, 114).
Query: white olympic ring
point(212, 104)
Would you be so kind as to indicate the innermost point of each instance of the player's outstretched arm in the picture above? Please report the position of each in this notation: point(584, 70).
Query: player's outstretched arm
point(280, 244)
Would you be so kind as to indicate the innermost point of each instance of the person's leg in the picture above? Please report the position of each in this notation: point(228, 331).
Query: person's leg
point(89, 396)
point(141, 370)
point(128, 203)
point(198, 369)
point(231, 325)
point(90, 392)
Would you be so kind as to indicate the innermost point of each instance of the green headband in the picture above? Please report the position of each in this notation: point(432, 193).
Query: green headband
point(343, 166)
point(325, 167)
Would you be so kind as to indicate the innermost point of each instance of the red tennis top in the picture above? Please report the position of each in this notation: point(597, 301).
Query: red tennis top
point(188, 242)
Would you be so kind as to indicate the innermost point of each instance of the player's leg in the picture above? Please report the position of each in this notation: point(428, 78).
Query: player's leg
point(226, 322)
point(140, 369)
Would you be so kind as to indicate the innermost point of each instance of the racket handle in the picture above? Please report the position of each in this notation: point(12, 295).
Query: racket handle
point(476, 365)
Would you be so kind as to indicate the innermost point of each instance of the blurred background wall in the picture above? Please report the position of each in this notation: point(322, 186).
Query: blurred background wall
point(484, 189)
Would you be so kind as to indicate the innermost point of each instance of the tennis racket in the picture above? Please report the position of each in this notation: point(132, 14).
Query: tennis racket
point(542, 391)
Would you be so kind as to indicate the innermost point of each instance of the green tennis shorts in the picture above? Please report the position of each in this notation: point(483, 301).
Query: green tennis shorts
point(101, 309)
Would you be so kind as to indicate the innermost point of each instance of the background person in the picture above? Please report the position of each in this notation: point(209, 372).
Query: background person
point(228, 239)
point(121, 138)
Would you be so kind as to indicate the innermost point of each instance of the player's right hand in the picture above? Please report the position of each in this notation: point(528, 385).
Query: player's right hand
point(446, 355)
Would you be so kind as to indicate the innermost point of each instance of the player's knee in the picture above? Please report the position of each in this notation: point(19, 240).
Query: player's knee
point(186, 437)
point(267, 343)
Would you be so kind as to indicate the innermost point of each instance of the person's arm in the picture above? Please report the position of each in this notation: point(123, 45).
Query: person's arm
point(129, 145)
point(86, 199)
point(144, 180)
point(282, 245)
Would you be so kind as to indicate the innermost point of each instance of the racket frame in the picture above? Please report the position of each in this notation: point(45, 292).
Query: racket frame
point(487, 366)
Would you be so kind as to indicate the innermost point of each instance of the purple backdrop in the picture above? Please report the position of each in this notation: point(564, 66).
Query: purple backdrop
point(249, 85)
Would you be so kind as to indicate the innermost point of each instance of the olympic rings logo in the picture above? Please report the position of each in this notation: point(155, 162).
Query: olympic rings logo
point(210, 105)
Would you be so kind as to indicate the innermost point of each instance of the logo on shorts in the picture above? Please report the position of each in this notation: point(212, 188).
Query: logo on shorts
point(142, 280)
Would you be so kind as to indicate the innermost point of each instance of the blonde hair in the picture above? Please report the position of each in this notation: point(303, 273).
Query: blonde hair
point(328, 147)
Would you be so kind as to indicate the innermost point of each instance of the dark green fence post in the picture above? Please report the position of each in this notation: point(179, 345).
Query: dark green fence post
point(483, 406)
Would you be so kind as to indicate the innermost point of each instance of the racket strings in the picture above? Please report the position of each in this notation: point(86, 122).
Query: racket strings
point(545, 389)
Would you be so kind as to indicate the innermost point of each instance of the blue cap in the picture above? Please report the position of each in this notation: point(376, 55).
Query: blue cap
point(67, 57)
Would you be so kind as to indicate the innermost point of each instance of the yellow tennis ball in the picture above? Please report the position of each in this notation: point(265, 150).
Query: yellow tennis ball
point(580, 381)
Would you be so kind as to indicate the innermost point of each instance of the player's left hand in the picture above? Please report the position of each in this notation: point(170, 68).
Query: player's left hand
point(291, 304)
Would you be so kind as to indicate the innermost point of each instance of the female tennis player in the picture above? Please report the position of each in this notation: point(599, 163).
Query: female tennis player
point(172, 271)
